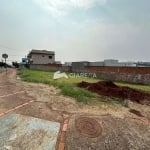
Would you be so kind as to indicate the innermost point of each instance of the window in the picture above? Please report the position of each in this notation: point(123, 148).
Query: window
point(50, 57)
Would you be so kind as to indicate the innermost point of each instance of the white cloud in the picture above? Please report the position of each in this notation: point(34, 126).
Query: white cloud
point(54, 7)
point(87, 3)
point(83, 3)
point(61, 7)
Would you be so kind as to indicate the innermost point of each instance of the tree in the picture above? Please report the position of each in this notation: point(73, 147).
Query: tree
point(2, 64)
point(15, 64)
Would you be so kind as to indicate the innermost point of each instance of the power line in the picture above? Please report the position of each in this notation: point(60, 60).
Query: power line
point(12, 55)
point(15, 55)
point(4, 46)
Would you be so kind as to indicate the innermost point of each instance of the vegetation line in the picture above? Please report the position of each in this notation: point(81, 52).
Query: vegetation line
point(68, 86)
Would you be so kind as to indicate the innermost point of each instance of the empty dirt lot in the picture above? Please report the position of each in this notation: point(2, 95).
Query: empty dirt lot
point(97, 126)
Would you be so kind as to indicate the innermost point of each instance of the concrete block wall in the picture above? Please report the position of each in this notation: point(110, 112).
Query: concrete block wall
point(51, 67)
point(45, 67)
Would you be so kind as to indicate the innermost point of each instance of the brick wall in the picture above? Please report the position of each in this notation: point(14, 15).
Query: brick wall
point(125, 74)
point(127, 70)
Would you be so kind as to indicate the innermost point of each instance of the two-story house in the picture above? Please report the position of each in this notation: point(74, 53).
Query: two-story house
point(41, 57)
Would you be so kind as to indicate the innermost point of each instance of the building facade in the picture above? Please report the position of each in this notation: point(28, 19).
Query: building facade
point(41, 57)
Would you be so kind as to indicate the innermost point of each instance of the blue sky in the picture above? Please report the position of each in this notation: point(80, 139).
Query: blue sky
point(76, 30)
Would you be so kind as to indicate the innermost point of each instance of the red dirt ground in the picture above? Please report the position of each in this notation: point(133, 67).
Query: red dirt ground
point(108, 88)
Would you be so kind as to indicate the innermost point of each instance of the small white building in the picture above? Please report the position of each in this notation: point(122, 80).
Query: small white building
point(41, 57)
point(110, 62)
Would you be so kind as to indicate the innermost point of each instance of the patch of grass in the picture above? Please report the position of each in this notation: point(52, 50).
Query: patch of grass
point(67, 86)
point(115, 100)
point(79, 94)
point(143, 88)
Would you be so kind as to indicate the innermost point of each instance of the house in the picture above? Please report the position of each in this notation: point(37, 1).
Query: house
point(41, 57)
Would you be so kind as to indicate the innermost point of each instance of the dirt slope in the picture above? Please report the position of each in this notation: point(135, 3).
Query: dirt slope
point(108, 88)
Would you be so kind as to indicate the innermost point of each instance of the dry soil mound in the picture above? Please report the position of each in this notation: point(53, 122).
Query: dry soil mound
point(108, 88)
